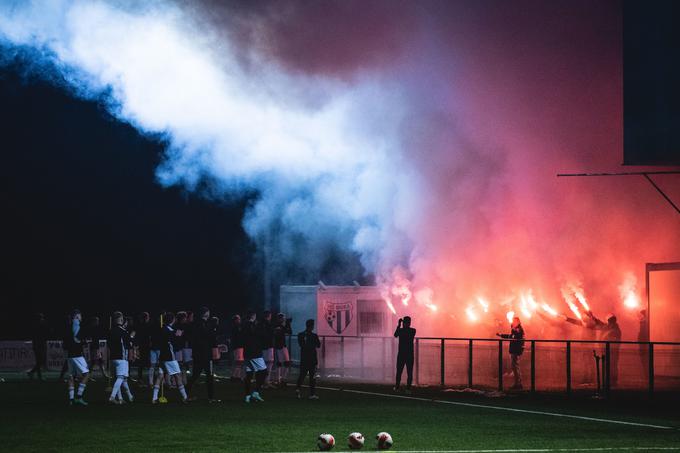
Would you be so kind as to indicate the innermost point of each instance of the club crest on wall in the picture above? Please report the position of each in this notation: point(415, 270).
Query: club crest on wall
point(338, 315)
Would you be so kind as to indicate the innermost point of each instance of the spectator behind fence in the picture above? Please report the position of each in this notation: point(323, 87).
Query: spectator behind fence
point(406, 335)
point(516, 349)
point(610, 332)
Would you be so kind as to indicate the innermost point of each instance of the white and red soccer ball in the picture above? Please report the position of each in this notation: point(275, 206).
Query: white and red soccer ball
point(325, 442)
point(355, 441)
point(384, 440)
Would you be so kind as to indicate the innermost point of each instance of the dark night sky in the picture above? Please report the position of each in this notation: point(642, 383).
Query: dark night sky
point(86, 225)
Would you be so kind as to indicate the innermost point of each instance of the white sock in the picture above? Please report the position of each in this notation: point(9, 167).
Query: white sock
point(278, 373)
point(150, 376)
point(119, 396)
point(155, 392)
point(116, 387)
point(285, 372)
point(182, 391)
point(81, 389)
point(70, 393)
point(126, 388)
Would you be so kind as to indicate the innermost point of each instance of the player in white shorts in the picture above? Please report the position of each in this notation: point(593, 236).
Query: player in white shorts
point(178, 343)
point(167, 358)
point(77, 365)
point(282, 328)
point(253, 337)
point(120, 344)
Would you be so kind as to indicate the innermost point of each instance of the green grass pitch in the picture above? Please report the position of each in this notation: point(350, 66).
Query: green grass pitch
point(35, 417)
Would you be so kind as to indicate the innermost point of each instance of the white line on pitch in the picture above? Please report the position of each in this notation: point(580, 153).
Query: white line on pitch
point(530, 450)
point(501, 408)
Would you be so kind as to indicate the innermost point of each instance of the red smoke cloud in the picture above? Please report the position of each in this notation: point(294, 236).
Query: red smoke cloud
point(503, 96)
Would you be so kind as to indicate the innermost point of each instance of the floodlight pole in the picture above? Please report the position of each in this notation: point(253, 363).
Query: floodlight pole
point(636, 173)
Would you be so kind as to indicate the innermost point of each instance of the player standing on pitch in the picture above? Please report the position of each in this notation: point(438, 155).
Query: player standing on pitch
point(120, 344)
point(406, 335)
point(268, 345)
point(77, 365)
point(253, 337)
point(203, 340)
point(282, 356)
point(309, 343)
point(236, 346)
point(143, 343)
point(39, 335)
point(167, 358)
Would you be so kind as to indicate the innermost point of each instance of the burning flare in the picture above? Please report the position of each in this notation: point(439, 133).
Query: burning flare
point(628, 291)
point(484, 304)
point(548, 309)
point(510, 315)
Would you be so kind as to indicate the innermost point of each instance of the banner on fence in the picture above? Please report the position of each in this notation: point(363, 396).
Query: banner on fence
point(55, 355)
point(16, 355)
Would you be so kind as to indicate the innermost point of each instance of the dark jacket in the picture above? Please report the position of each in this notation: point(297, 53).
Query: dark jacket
point(143, 335)
point(309, 342)
point(280, 332)
point(253, 339)
point(167, 348)
point(74, 340)
point(39, 334)
point(236, 336)
point(268, 329)
point(119, 342)
point(203, 339)
point(406, 337)
point(516, 334)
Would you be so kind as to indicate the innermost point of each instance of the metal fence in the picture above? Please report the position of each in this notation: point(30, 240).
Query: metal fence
point(483, 363)
point(546, 365)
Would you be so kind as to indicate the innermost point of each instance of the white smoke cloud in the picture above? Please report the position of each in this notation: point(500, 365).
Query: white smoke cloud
point(319, 174)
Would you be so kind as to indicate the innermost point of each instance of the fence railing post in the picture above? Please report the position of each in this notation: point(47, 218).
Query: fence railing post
point(442, 361)
point(323, 353)
point(533, 366)
point(470, 363)
point(568, 368)
point(417, 361)
point(607, 369)
point(651, 369)
point(383, 359)
point(500, 365)
point(342, 355)
point(361, 356)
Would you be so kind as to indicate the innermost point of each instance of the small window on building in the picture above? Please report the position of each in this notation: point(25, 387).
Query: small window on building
point(371, 323)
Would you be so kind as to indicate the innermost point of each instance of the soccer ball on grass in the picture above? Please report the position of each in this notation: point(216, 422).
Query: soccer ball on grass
point(355, 441)
point(325, 442)
point(384, 440)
